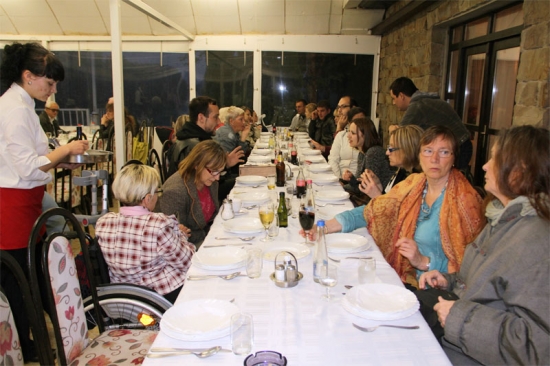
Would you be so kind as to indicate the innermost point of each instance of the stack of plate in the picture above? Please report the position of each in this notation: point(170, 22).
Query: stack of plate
point(251, 180)
point(331, 195)
point(324, 178)
point(310, 152)
point(380, 302)
point(259, 151)
point(344, 243)
point(221, 259)
point(315, 159)
point(198, 320)
point(272, 249)
point(259, 159)
point(252, 198)
point(261, 145)
point(243, 225)
point(319, 168)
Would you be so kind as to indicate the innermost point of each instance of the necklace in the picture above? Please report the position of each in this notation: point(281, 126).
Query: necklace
point(424, 208)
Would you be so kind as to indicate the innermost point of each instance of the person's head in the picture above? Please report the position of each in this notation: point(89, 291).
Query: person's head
point(204, 112)
point(356, 112)
point(323, 109)
point(254, 117)
point(401, 91)
point(404, 146)
point(520, 166)
point(301, 106)
point(438, 150)
point(247, 114)
point(137, 185)
point(32, 67)
point(362, 134)
point(310, 109)
point(345, 104)
point(205, 164)
point(180, 121)
point(52, 109)
point(234, 117)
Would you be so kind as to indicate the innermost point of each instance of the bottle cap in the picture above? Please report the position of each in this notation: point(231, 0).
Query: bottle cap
point(321, 223)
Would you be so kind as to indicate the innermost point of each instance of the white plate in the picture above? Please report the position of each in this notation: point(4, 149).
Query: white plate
point(243, 225)
point(261, 152)
point(315, 159)
point(258, 159)
point(301, 134)
point(251, 180)
point(253, 198)
point(324, 178)
point(328, 212)
point(319, 167)
point(331, 195)
point(261, 145)
point(311, 152)
point(272, 249)
point(347, 243)
point(222, 258)
point(380, 302)
point(198, 320)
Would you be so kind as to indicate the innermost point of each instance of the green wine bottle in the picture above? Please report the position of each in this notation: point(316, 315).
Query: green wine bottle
point(282, 211)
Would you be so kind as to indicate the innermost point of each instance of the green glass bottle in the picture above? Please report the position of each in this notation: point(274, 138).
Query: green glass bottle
point(282, 211)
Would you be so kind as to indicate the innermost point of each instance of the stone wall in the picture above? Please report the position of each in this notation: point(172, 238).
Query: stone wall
point(416, 49)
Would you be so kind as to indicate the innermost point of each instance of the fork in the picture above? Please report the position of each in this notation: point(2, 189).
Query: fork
point(372, 329)
point(339, 260)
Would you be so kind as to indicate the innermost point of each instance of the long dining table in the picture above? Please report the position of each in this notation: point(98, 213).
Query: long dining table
point(297, 322)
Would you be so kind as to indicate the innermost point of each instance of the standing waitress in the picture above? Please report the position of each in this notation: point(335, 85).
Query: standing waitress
point(31, 72)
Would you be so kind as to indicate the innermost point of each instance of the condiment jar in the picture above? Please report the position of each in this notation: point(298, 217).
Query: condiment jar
point(227, 210)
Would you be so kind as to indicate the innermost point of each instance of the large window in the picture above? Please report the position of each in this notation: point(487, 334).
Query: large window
point(289, 76)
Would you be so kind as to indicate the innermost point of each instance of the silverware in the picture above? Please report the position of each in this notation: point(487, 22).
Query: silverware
point(372, 329)
point(246, 238)
point(349, 287)
point(224, 245)
point(331, 204)
point(339, 260)
point(202, 354)
point(223, 277)
point(167, 349)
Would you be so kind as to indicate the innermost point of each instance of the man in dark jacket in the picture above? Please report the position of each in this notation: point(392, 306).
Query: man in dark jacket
point(321, 131)
point(48, 118)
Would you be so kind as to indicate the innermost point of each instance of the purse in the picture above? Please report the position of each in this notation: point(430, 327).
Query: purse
point(140, 148)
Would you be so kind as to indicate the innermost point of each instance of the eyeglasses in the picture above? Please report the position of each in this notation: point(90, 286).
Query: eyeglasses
point(392, 149)
point(158, 192)
point(215, 173)
point(53, 110)
point(442, 153)
point(343, 106)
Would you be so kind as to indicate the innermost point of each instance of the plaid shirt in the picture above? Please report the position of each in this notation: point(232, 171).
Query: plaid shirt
point(147, 250)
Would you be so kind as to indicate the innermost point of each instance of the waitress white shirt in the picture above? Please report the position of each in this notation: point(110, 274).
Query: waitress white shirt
point(23, 143)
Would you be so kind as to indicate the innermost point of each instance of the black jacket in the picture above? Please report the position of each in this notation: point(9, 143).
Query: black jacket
point(189, 136)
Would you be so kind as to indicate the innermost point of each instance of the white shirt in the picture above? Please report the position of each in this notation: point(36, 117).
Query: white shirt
point(23, 143)
point(342, 157)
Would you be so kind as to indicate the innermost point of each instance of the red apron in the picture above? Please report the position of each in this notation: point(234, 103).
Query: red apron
point(19, 209)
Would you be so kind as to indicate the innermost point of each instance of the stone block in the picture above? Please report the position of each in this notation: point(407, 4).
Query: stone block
point(414, 71)
point(527, 115)
point(527, 93)
point(535, 36)
point(535, 11)
point(444, 11)
point(533, 65)
point(544, 100)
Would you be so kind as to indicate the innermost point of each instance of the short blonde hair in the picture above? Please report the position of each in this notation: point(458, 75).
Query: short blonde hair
point(223, 114)
point(134, 182)
point(183, 119)
point(232, 112)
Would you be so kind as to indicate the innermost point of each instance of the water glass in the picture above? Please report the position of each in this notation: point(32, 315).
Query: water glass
point(236, 203)
point(254, 262)
point(274, 228)
point(328, 278)
point(242, 333)
point(289, 189)
point(271, 179)
point(367, 270)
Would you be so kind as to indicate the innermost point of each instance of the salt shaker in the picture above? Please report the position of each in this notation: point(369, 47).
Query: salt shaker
point(280, 274)
point(227, 210)
point(290, 269)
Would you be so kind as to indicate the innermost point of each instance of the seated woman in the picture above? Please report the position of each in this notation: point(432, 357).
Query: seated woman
point(426, 221)
point(142, 247)
point(362, 136)
point(501, 316)
point(192, 192)
point(235, 131)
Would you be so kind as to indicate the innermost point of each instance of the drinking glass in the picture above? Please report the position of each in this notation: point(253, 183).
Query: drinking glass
point(289, 189)
point(307, 218)
point(271, 179)
point(273, 230)
point(254, 262)
point(367, 270)
point(242, 333)
point(266, 217)
point(328, 278)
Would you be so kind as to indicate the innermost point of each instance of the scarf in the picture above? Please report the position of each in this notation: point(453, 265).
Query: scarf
point(395, 214)
point(495, 209)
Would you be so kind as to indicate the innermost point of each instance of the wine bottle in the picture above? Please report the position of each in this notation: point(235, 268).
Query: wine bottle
point(79, 132)
point(282, 211)
point(280, 170)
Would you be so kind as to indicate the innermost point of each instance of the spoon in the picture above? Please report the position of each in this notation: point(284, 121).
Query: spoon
point(372, 329)
point(331, 204)
point(223, 277)
point(246, 238)
point(251, 207)
point(207, 353)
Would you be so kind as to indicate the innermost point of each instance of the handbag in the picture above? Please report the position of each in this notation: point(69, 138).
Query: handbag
point(140, 148)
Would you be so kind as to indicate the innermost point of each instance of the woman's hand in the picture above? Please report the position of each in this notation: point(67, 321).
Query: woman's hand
point(408, 249)
point(312, 234)
point(68, 166)
point(443, 307)
point(185, 230)
point(347, 175)
point(104, 119)
point(234, 157)
point(245, 132)
point(433, 279)
point(317, 145)
point(370, 184)
point(77, 147)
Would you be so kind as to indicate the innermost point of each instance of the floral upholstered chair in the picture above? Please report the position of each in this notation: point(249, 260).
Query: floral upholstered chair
point(10, 349)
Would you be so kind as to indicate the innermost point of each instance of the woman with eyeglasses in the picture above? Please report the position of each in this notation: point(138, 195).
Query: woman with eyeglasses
point(192, 193)
point(424, 222)
point(140, 246)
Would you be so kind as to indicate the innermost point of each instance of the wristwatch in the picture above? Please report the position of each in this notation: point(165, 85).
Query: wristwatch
point(428, 265)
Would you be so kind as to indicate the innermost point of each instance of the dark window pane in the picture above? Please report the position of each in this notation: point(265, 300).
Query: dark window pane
point(457, 34)
point(289, 76)
point(453, 70)
point(477, 28)
point(226, 76)
point(509, 18)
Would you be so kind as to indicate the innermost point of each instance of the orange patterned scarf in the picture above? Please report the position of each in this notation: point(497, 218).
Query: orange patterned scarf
point(394, 215)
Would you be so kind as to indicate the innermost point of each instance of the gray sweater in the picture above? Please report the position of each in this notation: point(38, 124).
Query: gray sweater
point(503, 315)
point(182, 197)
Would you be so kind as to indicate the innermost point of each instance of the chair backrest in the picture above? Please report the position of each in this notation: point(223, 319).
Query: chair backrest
point(10, 351)
point(155, 162)
point(62, 284)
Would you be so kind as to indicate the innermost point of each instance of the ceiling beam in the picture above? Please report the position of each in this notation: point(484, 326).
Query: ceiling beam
point(146, 9)
point(402, 15)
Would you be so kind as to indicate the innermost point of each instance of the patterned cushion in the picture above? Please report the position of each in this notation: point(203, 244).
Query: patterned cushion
point(10, 349)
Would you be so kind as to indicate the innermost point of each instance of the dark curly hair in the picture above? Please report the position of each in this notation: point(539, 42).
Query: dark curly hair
point(18, 57)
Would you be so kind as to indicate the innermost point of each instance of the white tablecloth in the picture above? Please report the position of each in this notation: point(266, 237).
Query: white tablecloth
point(297, 322)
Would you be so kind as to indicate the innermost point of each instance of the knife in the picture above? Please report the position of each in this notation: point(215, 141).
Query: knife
point(190, 350)
point(224, 245)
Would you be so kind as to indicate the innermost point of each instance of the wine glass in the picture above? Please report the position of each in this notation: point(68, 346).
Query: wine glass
point(266, 217)
point(328, 278)
point(307, 218)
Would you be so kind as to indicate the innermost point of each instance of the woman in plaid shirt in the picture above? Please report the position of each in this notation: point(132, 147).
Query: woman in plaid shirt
point(140, 246)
